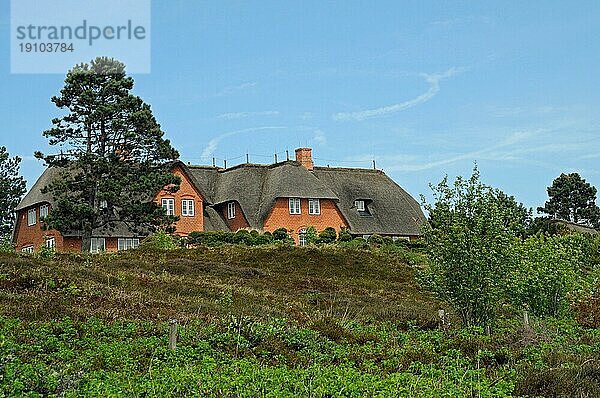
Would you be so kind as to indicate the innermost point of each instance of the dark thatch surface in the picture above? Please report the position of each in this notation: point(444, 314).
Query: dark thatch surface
point(391, 210)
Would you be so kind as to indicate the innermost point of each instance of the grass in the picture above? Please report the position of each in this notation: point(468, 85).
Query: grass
point(265, 321)
point(304, 284)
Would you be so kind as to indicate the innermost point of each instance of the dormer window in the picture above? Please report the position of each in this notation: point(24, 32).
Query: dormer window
point(360, 205)
point(43, 211)
point(31, 217)
point(231, 210)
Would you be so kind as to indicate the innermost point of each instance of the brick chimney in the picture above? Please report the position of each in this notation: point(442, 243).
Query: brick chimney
point(304, 157)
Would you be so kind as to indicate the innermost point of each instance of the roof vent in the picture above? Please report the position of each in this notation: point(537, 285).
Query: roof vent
point(304, 157)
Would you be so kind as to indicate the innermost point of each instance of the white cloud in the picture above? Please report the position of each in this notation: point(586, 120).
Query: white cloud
point(319, 137)
point(434, 88)
point(232, 89)
point(214, 143)
point(241, 115)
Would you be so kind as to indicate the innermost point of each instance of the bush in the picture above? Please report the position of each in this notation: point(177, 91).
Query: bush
point(160, 240)
point(281, 234)
point(548, 273)
point(328, 235)
point(587, 310)
point(344, 236)
point(375, 240)
point(6, 246)
point(243, 237)
point(210, 238)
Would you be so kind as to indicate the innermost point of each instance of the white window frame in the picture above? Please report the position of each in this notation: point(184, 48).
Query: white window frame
point(50, 242)
point(302, 237)
point(44, 211)
point(127, 243)
point(230, 210)
point(187, 207)
point(169, 205)
point(294, 205)
point(31, 217)
point(27, 249)
point(314, 207)
point(103, 204)
point(95, 247)
point(366, 237)
point(360, 205)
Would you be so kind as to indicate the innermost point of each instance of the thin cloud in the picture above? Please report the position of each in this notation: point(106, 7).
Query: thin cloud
point(319, 137)
point(241, 115)
point(214, 143)
point(434, 88)
point(233, 89)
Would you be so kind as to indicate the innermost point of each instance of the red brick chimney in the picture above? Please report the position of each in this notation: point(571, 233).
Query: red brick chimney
point(304, 157)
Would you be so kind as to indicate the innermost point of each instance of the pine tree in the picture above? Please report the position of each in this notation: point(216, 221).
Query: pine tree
point(12, 188)
point(113, 156)
point(573, 199)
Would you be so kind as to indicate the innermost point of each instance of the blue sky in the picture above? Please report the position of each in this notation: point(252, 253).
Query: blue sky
point(424, 88)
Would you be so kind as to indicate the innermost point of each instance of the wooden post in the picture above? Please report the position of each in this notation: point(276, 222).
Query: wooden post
point(442, 316)
point(487, 330)
point(172, 334)
point(525, 319)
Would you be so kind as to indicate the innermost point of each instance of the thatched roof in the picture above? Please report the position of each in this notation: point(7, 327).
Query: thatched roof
point(390, 209)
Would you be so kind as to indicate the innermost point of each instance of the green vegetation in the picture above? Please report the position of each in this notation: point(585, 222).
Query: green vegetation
point(12, 188)
point(272, 320)
point(113, 158)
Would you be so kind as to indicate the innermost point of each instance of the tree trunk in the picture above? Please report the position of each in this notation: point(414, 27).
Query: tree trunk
point(86, 240)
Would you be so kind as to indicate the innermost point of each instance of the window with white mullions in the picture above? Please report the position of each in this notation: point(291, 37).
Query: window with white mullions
point(302, 237)
point(50, 242)
point(98, 245)
point(314, 206)
point(43, 211)
point(187, 207)
point(294, 205)
point(31, 217)
point(360, 205)
point(230, 210)
point(127, 243)
point(169, 206)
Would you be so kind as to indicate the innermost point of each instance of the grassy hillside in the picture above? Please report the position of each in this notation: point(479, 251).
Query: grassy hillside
point(293, 282)
point(265, 321)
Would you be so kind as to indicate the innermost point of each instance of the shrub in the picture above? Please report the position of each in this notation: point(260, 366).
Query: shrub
point(344, 236)
point(281, 234)
point(6, 246)
point(264, 239)
point(243, 237)
point(311, 235)
point(160, 240)
point(471, 251)
point(210, 238)
point(46, 253)
point(328, 235)
point(548, 273)
point(375, 240)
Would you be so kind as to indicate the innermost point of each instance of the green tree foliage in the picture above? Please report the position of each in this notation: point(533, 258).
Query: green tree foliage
point(549, 272)
point(517, 217)
point(573, 199)
point(328, 235)
point(471, 247)
point(12, 188)
point(113, 156)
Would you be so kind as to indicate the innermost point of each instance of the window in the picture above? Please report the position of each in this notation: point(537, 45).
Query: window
point(314, 206)
point(128, 243)
point(98, 245)
point(169, 206)
point(360, 205)
point(43, 211)
point(27, 249)
point(31, 219)
point(366, 237)
point(187, 207)
point(294, 205)
point(51, 242)
point(302, 237)
point(103, 204)
point(230, 210)
point(396, 238)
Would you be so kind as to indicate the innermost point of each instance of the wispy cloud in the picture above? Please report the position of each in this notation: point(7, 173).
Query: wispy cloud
point(214, 143)
point(241, 115)
point(319, 137)
point(434, 87)
point(233, 89)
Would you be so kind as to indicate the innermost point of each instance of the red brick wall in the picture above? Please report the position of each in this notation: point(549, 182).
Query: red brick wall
point(186, 224)
point(280, 217)
point(34, 235)
point(239, 222)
